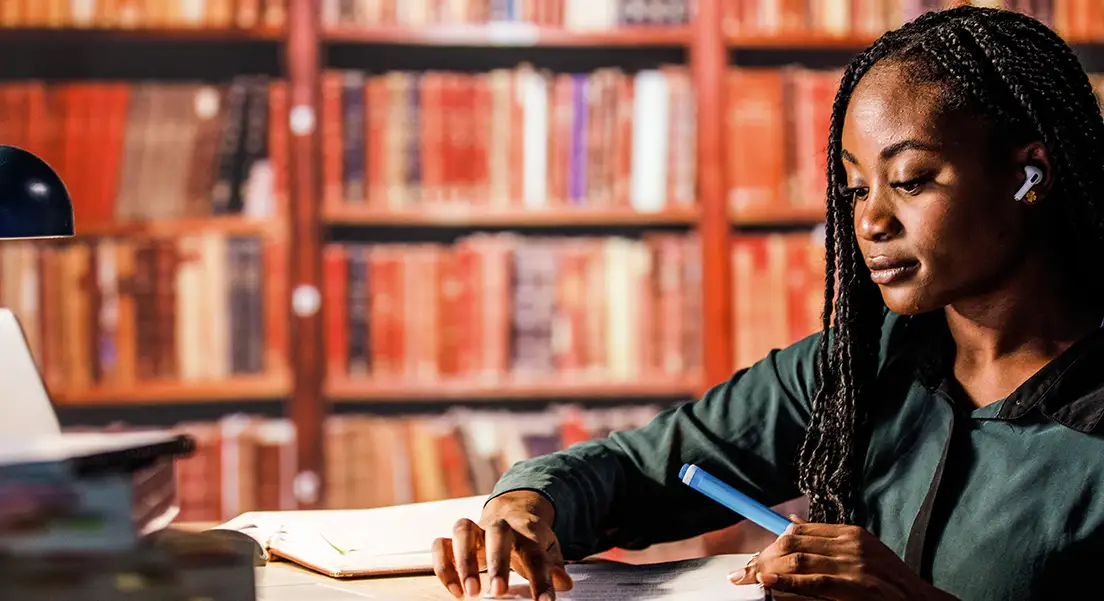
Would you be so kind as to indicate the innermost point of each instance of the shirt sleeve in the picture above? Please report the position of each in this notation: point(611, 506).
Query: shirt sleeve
point(623, 490)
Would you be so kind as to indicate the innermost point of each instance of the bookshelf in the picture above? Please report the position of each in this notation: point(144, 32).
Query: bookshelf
point(508, 218)
point(509, 35)
point(239, 388)
point(351, 391)
point(312, 228)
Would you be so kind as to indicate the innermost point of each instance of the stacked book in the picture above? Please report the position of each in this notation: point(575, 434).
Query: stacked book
point(84, 516)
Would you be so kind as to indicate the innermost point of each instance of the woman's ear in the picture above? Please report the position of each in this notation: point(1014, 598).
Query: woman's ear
point(1035, 155)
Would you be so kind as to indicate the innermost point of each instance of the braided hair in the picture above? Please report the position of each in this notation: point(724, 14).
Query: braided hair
point(1013, 72)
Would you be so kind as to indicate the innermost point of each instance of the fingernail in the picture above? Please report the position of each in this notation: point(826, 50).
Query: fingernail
point(498, 586)
point(472, 584)
point(736, 575)
point(456, 590)
point(547, 597)
point(767, 579)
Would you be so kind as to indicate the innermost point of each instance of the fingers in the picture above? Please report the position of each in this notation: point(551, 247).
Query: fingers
point(444, 566)
point(792, 553)
point(538, 570)
point(560, 578)
point(824, 530)
point(746, 574)
point(500, 544)
point(467, 542)
point(817, 586)
point(799, 543)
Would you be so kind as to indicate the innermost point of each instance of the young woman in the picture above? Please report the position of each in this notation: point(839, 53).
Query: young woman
point(945, 431)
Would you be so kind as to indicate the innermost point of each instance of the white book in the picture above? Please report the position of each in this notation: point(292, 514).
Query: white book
point(534, 90)
point(650, 139)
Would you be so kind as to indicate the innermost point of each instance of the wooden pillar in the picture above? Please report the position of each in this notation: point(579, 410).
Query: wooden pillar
point(709, 62)
point(307, 407)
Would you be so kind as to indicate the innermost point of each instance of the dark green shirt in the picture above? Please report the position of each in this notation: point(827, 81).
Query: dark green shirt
point(1019, 512)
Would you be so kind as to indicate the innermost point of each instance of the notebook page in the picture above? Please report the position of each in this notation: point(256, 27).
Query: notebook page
point(691, 580)
point(357, 541)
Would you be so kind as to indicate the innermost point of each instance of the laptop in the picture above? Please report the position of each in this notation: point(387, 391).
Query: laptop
point(25, 405)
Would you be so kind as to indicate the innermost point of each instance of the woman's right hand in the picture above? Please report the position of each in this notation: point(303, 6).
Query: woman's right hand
point(514, 532)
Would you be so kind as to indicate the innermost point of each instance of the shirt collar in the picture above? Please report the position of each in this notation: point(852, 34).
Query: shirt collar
point(1069, 390)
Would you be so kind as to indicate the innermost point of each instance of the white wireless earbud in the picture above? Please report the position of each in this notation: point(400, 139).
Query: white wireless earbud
point(1034, 176)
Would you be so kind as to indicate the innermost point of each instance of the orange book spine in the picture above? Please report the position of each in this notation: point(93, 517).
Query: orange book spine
point(479, 180)
point(335, 317)
point(754, 113)
point(278, 142)
point(449, 314)
point(432, 137)
point(377, 104)
point(276, 300)
point(332, 145)
point(623, 141)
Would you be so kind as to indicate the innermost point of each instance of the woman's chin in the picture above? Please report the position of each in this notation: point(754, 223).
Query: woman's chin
point(910, 301)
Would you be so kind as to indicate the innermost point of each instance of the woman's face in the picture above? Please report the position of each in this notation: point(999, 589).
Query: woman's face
point(935, 216)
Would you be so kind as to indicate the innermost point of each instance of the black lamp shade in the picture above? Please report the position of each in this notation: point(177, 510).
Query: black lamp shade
point(33, 200)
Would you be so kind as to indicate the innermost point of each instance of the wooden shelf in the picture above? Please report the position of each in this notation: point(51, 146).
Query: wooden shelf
point(353, 215)
point(237, 388)
point(230, 225)
point(345, 390)
point(799, 41)
point(825, 41)
point(510, 35)
point(119, 34)
point(778, 215)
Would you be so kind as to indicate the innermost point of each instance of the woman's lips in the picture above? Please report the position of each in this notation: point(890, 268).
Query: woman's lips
point(885, 271)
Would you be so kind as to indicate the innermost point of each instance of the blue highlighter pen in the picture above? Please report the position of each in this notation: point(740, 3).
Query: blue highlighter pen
point(698, 479)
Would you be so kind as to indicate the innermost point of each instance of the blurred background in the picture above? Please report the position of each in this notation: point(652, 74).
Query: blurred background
point(373, 252)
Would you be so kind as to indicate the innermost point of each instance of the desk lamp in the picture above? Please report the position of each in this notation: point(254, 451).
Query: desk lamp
point(33, 204)
point(33, 200)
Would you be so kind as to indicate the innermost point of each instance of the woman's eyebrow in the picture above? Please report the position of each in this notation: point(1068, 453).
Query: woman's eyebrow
point(892, 150)
point(898, 147)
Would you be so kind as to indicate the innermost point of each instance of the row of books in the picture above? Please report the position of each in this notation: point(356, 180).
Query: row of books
point(246, 462)
point(777, 122)
point(866, 18)
point(522, 137)
point(129, 14)
point(573, 15)
point(869, 18)
point(156, 150)
point(777, 291)
point(496, 308)
point(114, 312)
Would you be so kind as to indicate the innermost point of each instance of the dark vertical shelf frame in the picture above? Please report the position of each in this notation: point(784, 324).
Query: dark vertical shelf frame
point(307, 406)
point(708, 62)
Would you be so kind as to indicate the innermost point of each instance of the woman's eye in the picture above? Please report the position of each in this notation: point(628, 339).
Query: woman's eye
point(857, 193)
point(912, 186)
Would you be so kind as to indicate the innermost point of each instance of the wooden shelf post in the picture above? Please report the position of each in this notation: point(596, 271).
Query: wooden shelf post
point(708, 64)
point(308, 407)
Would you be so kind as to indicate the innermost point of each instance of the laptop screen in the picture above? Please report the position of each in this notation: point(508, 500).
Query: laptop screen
point(25, 405)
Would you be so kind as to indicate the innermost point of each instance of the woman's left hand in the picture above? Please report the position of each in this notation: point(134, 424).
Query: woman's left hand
point(837, 562)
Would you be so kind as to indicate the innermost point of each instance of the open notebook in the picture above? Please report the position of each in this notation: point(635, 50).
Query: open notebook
point(358, 543)
point(351, 543)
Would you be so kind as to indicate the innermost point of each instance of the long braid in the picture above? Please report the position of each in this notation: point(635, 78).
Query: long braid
point(1019, 75)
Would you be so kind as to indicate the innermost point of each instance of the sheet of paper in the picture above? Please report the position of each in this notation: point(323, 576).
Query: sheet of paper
point(691, 580)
